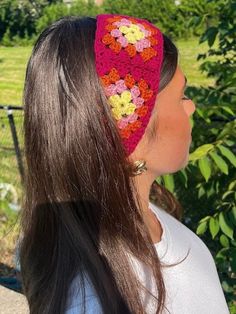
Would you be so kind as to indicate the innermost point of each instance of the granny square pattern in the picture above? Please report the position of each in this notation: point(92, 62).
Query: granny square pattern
point(129, 55)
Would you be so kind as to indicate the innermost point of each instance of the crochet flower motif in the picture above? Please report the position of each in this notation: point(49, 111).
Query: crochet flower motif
point(127, 99)
point(128, 34)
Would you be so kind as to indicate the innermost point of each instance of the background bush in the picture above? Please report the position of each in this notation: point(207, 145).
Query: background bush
point(21, 21)
point(210, 177)
point(18, 18)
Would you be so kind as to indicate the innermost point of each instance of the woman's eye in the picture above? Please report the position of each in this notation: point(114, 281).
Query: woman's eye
point(185, 98)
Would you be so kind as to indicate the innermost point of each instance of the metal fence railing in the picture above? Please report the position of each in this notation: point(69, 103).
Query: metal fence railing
point(11, 145)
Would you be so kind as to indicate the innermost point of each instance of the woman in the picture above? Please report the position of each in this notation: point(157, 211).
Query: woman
point(105, 114)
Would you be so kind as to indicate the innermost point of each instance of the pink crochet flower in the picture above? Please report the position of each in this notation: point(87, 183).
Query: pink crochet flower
point(131, 36)
point(143, 43)
point(141, 26)
point(138, 101)
point(135, 92)
point(116, 33)
point(123, 22)
point(133, 117)
point(120, 86)
point(110, 90)
point(122, 123)
point(123, 41)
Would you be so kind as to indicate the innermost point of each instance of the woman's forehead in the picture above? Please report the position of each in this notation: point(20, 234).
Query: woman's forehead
point(178, 82)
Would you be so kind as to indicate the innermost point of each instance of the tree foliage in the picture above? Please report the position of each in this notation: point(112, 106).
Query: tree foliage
point(25, 19)
point(210, 177)
point(18, 17)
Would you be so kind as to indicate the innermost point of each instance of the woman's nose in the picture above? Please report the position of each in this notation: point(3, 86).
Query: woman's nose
point(189, 107)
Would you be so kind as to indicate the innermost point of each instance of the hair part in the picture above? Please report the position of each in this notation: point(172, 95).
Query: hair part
point(81, 211)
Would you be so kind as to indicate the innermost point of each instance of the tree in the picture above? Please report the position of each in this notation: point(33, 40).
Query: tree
point(210, 177)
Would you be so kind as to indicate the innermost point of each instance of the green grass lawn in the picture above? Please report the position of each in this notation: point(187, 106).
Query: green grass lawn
point(188, 52)
point(13, 62)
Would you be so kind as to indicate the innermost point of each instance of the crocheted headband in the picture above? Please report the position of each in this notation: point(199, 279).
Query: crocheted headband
point(128, 55)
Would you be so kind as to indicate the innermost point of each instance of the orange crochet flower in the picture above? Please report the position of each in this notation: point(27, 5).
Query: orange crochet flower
point(153, 41)
point(134, 126)
point(141, 111)
point(147, 94)
point(142, 84)
point(150, 29)
point(113, 19)
point(125, 133)
point(108, 39)
point(110, 27)
point(129, 81)
point(114, 75)
point(131, 50)
point(105, 80)
point(148, 53)
point(115, 46)
point(133, 20)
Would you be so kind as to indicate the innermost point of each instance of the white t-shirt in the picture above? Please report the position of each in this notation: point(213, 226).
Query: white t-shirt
point(192, 287)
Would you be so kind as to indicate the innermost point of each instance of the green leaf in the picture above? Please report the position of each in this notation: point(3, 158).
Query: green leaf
point(205, 219)
point(224, 241)
point(200, 152)
point(209, 35)
point(205, 167)
point(228, 110)
point(226, 194)
point(222, 254)
point(202, 228)
point(169, 182)
point(214, 226)
point(192, 122)
point(232, 185)
point(225, 225)
point(228, 154)
point(232, 215)
point(183, 177)
point(219, 162)
point(201, 192)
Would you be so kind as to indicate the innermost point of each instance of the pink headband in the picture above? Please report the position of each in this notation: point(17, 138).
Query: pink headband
point(129, 54)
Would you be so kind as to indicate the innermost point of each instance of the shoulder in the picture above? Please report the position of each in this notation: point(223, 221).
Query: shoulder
point(75, 298)
point(182, 236)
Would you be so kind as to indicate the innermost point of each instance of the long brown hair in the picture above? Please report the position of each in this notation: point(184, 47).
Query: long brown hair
point(80, 212)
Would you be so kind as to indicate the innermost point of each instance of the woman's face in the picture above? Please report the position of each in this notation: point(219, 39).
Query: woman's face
point(169, 151)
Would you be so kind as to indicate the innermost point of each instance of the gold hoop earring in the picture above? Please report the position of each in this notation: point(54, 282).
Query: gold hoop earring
point(139, 167)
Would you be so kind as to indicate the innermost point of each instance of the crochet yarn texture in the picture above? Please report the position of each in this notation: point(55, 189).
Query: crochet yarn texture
point(128, 56)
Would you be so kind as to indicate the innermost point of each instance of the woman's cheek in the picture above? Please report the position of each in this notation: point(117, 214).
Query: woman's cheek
point(172, 144)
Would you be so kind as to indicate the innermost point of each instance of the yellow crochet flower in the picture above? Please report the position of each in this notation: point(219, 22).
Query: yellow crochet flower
point(124, 29)
point(126, 96)
point(134, 27)
point(131, 38)
point(132, 33)
point(121, 105)
point(137, 32)
point(115, 100)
